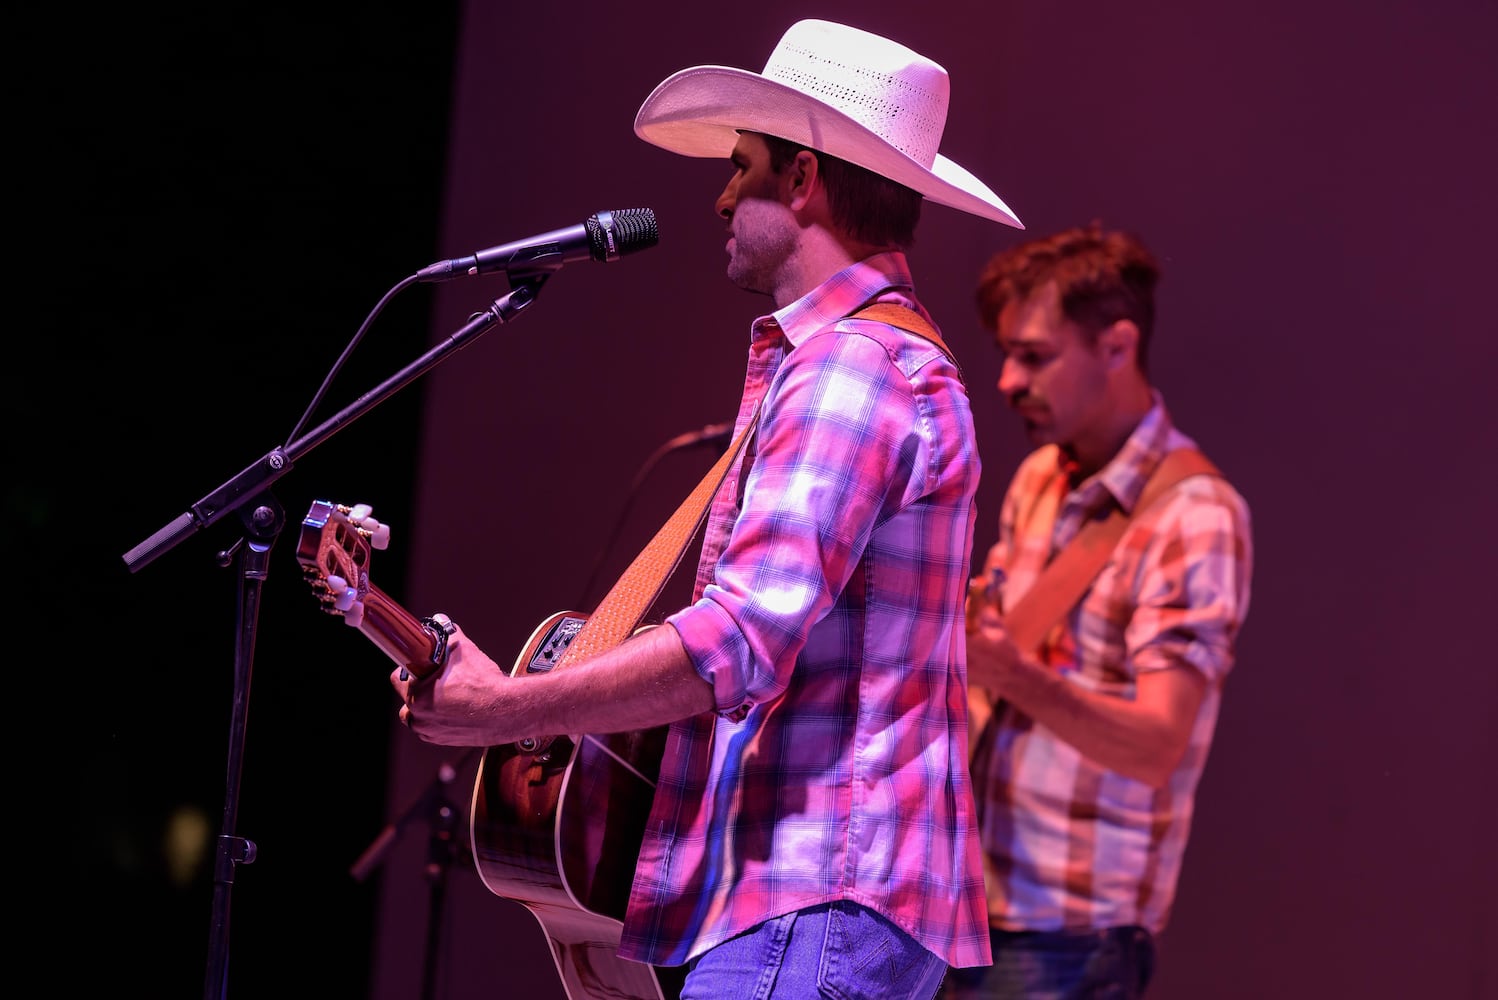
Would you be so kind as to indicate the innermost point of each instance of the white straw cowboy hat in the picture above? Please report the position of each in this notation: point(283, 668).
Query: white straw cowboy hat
point(836, 89)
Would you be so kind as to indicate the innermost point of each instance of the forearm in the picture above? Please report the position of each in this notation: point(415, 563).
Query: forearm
point(646, 681)
point(1142, 738)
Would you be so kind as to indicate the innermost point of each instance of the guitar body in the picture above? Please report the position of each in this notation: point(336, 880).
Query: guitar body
point(555, 825)
point(558, 828)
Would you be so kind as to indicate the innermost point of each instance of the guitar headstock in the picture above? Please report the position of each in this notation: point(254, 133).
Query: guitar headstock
point(334, 551)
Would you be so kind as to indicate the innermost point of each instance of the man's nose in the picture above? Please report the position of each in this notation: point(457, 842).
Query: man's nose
point(1012, 378)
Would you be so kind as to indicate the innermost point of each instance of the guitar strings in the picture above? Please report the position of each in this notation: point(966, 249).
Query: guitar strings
point(622, 762)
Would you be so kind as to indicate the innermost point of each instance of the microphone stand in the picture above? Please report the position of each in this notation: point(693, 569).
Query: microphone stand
point(263, 518)
point(442, 849)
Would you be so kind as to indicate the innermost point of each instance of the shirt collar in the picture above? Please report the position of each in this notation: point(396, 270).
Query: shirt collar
point(841, 295)
point(1124, 476)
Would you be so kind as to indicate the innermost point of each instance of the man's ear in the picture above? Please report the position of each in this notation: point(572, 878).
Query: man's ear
point(1120, 343)
point(801, 179)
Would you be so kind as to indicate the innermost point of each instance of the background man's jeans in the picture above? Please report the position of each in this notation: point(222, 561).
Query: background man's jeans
point(1114, 964)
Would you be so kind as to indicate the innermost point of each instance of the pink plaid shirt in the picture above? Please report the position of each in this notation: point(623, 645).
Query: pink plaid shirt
point(1068, 844)
point(828, 618)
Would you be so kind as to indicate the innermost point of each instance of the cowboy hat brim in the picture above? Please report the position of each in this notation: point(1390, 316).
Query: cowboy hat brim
point(700, 111)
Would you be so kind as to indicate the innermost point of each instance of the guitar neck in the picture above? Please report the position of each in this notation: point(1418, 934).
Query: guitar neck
point(399, 634)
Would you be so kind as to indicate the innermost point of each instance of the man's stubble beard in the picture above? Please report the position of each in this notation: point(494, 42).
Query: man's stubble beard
point(763, 244)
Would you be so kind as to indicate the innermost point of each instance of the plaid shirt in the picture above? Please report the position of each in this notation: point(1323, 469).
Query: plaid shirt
point(1068, 844)
point(828, 618)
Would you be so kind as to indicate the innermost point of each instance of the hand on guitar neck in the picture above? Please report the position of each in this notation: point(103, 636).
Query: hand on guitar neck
point(554, 824)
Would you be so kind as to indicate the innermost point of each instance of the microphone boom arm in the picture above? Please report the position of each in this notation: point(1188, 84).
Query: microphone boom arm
point(254, 478)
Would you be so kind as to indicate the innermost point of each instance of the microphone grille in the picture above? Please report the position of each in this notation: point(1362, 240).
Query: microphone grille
point(612, 235)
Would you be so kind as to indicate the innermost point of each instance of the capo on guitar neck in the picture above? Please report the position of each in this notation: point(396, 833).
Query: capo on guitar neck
point(440, 628)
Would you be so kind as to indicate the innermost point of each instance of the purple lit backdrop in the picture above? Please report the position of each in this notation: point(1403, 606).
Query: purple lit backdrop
point(1317, 181)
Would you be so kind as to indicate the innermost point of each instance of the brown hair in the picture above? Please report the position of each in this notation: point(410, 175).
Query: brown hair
point(1103, 277)
point(869, 208)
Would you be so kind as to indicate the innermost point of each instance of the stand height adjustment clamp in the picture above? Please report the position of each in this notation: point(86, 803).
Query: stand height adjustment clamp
point(233, 851)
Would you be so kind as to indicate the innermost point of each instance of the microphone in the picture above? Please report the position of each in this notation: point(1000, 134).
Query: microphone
point(715, 434)
point(604, 237)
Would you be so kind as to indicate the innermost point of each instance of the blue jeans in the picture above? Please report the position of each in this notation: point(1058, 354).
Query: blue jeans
point(838, 950)
point(1113, 964)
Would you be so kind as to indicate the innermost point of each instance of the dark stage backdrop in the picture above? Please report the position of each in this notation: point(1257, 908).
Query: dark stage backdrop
point(208, 204)
point(223, 201)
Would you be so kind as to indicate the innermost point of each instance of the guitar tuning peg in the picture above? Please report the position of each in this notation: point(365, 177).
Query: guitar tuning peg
point(380, 535)
point(354, 615)
point(359, 511)
point(343, 595)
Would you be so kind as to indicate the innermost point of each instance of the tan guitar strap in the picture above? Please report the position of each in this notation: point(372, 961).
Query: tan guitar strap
point(624, 607)
point(1071, 571)
point(908, 320)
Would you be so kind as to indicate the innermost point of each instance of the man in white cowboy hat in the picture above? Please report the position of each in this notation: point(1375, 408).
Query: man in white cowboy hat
point(812, 831)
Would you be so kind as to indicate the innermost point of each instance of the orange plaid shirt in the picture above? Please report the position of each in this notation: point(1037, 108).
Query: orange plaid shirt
point(1069, 844)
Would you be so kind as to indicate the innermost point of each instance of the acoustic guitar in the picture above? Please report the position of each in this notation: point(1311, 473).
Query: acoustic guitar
point(556, 824)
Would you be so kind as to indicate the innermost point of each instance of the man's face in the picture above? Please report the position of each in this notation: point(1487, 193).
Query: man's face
point(762, 228)
point(1051, 375)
